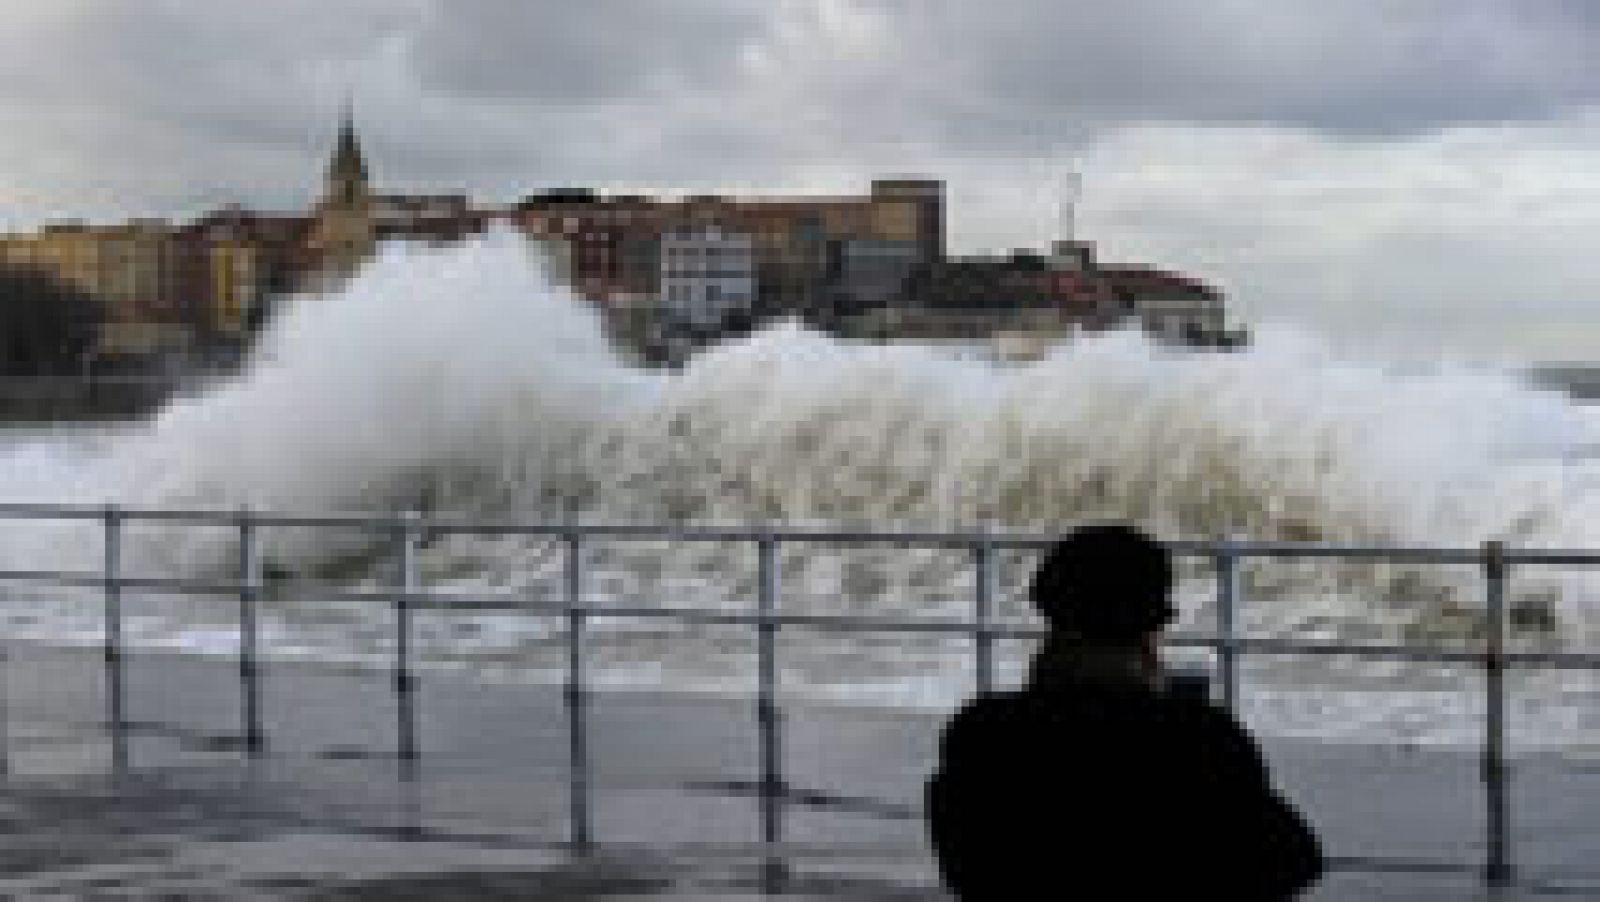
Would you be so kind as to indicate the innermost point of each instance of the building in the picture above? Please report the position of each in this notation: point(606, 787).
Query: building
point(867, 272)
point(611, 245)
point(965, 301)
point(615, 241)
point(1169, 306)
point(708, 277)
point(1017, 304)
point(134, 269)
point(678, 271)
point(350, 220)
point(344, 233)
point(810, 256)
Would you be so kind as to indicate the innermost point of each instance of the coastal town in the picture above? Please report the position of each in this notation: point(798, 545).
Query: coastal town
point(667, 275)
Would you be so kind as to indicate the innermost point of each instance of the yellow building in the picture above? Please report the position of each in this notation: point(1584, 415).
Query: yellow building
point(161, 285)
point(234, 271)
point(126, 266)
point(133, 269)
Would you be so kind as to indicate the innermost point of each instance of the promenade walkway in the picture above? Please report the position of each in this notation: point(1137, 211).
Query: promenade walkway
point(324, 816)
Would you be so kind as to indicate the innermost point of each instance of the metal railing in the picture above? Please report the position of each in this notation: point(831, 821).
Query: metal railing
point(407, 532)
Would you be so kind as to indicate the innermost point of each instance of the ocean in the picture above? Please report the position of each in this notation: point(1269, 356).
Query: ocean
point(462, 381)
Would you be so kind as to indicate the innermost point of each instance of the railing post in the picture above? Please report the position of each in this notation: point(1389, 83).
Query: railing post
point(576, 698)
point(768, 714)
point(983, 613)
point(1497, 864)
point(405, 681)
point(5, 717)
point(116, 717)
point(1227, 564)
point(249, 636)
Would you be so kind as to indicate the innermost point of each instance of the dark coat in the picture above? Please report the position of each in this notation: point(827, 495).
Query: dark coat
point(1111, 791)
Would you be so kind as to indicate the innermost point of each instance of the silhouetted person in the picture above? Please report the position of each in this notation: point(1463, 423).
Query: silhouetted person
point(1096, 782)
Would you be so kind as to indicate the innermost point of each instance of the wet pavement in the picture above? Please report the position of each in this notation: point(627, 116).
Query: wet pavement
point(674, 811)
point(195, 836)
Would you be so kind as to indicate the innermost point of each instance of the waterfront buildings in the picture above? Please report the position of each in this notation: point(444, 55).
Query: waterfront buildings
point(667, 274)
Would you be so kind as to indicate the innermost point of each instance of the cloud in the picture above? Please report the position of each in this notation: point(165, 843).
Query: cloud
point(1415, 160)
point(581, 52)
point(1350, 68)
point(1465, 236)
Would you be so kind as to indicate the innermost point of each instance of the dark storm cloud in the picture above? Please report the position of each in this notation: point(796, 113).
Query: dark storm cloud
point(184, 61)
point(471, 85)
point(581, 51)
point(986, 74)
point(1350, 68)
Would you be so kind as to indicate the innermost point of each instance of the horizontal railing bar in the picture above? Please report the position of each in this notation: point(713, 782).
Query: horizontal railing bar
point(630, 532)
point(730, 616)
point(831, 622)
point(172, 583)
point(1549, 557)
point(1574, 660)
point(217, 516)
point(1328, 649)
point(91, 578)
point(622, 531)
point(1415, 554)
point(18, 511)
point(94, 579)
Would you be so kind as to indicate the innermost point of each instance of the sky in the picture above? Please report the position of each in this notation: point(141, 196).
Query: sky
point(1417, 177)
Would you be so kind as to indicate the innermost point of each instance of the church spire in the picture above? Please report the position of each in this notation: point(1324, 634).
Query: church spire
point(347, 170)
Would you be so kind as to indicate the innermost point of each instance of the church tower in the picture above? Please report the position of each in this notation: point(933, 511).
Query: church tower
point(346, 182)
point(344, 235)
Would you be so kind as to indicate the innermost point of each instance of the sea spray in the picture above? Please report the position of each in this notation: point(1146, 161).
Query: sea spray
point(449, 377)
point(462, 381)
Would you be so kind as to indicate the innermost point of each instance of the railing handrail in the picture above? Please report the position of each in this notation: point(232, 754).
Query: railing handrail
point(409, 594)
point(430, 600)
point(447, 523)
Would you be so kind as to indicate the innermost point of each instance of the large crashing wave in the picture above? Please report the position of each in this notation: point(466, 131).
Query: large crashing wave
point(461, 380)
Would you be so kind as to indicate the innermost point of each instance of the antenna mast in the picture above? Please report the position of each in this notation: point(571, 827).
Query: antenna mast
point(1071, 193)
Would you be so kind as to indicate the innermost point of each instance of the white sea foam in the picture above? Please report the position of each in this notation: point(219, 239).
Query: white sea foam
point(461, 380)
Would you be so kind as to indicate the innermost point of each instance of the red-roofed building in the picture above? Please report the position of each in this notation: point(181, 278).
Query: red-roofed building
point(1169, 305)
